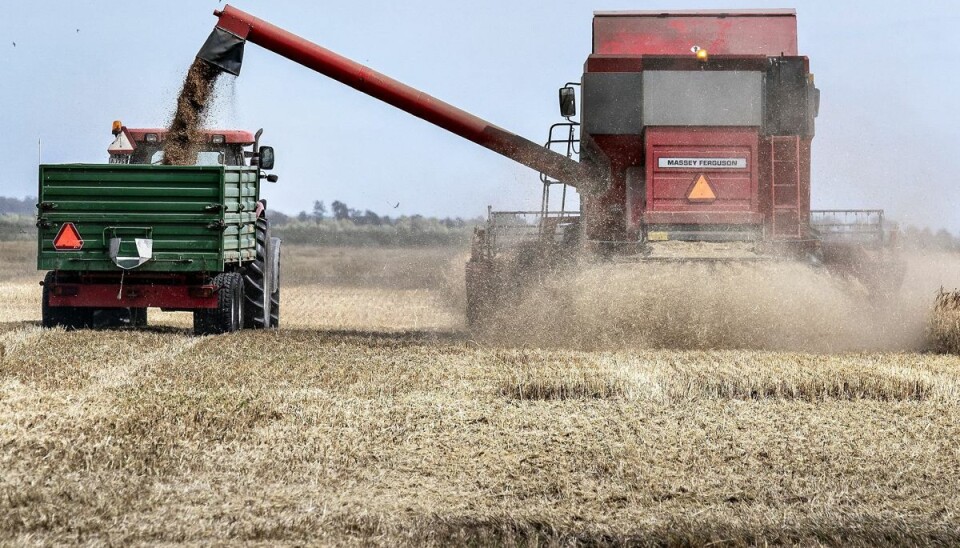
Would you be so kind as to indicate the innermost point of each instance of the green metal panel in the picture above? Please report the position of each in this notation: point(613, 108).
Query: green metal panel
point(200, 218)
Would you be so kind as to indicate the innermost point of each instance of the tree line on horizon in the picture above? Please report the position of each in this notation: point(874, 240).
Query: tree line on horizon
point(18, 206)
point(340, 211)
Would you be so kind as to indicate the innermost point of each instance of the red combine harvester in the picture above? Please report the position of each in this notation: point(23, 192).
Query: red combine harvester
point(694, 144)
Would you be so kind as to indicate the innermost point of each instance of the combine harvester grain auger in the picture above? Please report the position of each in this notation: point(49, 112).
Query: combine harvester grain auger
point(693, 144)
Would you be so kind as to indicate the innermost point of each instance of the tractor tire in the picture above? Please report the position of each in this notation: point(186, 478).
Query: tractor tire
point(275, 295)
point(68, 317)
point(228, 316)
point(275, 309)
point(257, 281)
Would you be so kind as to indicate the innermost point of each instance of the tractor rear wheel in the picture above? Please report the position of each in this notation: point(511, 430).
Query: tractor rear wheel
point(68, 317)
point(275, 295)
point(257, 281)
point(228, 316)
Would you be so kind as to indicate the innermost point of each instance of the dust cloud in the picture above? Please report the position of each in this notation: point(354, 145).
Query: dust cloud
point(699, 306)
point(186, 129)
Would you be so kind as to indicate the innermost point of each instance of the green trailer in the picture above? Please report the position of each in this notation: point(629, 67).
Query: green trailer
point(117, 239)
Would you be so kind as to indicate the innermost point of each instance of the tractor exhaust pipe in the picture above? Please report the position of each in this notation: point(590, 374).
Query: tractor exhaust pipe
point(224, 49)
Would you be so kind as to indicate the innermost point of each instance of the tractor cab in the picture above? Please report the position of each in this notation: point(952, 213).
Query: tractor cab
point(226, 147)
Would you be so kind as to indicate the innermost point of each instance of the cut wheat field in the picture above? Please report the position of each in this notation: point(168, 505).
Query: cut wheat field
point(375, 417)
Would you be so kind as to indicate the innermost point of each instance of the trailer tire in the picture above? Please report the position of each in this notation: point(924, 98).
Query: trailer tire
point(68, 317)
point(257, 281)
point(228, 316)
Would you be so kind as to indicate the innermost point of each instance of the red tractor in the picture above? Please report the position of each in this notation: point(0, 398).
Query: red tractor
point(144, 146)
point(696, 127)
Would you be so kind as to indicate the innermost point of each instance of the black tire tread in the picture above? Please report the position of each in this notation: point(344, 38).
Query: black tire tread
point(220, 320)
point(275, 310)
point(275, 296)
point(69, 318)
point(255, 282)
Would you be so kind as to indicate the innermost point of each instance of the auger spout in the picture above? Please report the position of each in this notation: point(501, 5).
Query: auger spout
point(224, 49)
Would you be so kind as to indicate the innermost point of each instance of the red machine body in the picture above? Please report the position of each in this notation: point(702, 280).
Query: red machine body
point(143, 145)
point(695, 125)
point(714, 146)
point(721, 32)
point(228, 136)
point(174, 292)
point(732, 196)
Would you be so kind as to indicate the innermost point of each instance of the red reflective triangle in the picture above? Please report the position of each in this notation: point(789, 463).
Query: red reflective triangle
point(702, 191)
point(68, 239)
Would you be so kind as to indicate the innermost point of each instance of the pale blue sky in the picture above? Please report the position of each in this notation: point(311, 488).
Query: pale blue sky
point(887, 134)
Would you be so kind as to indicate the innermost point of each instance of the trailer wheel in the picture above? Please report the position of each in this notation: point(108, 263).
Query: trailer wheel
point(228, 316)
point(68, 317)
point(257, 278)
point(50, 317)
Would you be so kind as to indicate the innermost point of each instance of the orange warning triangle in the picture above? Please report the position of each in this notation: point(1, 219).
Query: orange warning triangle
point(68, 238)
point(702, 191)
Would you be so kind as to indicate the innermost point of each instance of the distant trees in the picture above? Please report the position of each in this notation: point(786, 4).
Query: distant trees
point(319, 210)
point(277, 217)
point(340, 224)
point(18, 206)
point(340, 211)
point(924, 238)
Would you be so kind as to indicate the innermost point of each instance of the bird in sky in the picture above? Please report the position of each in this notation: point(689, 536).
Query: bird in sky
point(14, 44)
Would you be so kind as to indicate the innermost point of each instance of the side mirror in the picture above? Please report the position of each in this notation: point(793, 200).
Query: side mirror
point(568, 102)
point(266, 158)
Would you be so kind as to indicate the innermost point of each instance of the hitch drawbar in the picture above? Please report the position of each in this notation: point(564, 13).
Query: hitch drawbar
point(224, 49)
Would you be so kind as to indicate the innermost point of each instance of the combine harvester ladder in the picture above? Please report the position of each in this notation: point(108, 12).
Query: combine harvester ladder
point(785, 187)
